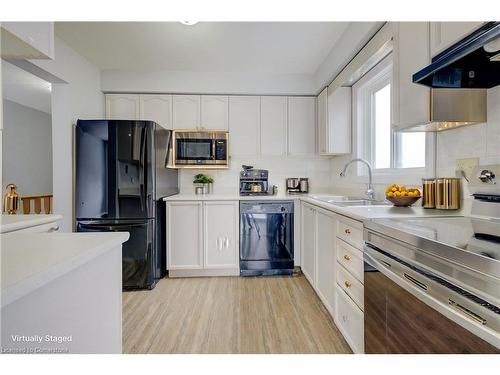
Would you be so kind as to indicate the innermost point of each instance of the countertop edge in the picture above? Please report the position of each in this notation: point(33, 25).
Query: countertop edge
point(31, 222)
point(22, 288)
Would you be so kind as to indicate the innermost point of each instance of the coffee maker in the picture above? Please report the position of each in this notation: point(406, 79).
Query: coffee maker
point(254, 181)
point(296, 185)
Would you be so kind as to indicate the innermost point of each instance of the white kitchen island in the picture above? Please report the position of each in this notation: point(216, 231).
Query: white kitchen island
point(61, 292)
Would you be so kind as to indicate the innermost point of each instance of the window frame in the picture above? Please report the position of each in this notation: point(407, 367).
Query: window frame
point(362, 91)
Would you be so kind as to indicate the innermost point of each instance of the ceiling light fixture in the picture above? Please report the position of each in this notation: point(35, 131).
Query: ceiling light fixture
point(189, 23)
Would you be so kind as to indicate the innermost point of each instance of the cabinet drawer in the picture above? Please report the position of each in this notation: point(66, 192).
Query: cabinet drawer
point(351, 258)
point(43, 228)
point(351, 232)
point(351, 286)
point(349, 319)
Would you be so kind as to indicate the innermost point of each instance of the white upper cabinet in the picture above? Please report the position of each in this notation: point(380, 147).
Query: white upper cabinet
point(445, 34)
point(273, 124)
point(322, 118)
point(221, 234)
point(215, 112)
point(186, 111)
point(157, 108)
point(338, 136)
point(411, 101)
point(301, 125)
point(244, 125)
point(27, 40)
point(122, 107)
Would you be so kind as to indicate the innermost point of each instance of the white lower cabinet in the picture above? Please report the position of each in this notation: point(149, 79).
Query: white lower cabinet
point(221, 234)
point(202, 238)
point(325, 258)
point(350, 321)
point(308, 248)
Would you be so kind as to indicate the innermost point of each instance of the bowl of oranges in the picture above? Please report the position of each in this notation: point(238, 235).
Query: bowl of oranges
point(401, 196)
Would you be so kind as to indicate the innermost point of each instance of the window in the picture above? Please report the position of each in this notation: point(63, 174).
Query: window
point(386, 150)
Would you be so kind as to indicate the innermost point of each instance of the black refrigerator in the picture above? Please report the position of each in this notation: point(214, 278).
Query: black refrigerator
point(121, 176)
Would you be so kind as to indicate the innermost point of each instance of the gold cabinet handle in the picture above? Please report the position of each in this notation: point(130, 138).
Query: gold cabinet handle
point(347, 231)
point(347, 284)
point(347, 257)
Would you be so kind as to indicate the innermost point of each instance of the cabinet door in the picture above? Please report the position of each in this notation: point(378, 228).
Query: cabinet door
point(301, 125)
point(157, 108)
point(186, 111)
point(308, 247)
point(215, 112)
point(325, 258)
point(184, 235)
point(221, 234)
point(244, 125)
point(273, 121)
point(444, 34)
point(322, 118)
point(411, 102)
point(339, 121)
point(122, 107)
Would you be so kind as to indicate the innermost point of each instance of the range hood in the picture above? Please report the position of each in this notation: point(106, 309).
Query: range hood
point(473, 62)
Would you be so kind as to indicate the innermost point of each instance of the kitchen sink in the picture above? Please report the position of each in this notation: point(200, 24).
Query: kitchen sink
point(363, 202)
point(345, 200)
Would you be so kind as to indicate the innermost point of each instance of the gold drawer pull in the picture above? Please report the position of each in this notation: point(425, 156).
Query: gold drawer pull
point(347, 231)
point(347, 257)
point(347, 284)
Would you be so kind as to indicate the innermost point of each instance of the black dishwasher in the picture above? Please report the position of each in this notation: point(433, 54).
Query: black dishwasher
point(266, 238)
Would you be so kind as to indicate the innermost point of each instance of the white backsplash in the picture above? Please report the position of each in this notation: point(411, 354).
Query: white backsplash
point(475, 141)
point(316, 168)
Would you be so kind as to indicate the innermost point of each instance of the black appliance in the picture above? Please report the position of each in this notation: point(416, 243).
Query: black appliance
point(200, 148)
point(266, 238)
point(121, 176)
point(473, 62)
point(254, 181)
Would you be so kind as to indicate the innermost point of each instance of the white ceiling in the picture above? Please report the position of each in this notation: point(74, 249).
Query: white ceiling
point(251, 47)
point(24, 88)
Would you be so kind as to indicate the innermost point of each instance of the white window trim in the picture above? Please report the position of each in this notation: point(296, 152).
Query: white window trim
point(362, 137)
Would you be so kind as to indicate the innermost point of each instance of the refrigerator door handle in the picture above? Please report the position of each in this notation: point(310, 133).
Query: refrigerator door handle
point(142, 167)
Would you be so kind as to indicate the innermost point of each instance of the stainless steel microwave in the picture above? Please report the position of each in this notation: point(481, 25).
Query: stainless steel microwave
point(199, 149)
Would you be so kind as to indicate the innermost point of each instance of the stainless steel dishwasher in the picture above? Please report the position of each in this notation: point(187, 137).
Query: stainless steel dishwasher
point(266, 238)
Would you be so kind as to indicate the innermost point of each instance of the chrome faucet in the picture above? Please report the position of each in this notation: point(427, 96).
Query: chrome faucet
point(370, 192)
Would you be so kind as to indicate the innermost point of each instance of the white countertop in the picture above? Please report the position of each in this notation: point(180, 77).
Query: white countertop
point(355, 212)
point(230, 197)
point(32, 260)
point(9, 223)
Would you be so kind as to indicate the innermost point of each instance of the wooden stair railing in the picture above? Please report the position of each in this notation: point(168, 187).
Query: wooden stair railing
point(37, 199)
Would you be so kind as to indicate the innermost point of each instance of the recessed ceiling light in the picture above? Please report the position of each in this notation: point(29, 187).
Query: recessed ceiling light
point(189, 23)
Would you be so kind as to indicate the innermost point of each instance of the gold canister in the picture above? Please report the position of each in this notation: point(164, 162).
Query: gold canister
point(11, 200)
point(448, 193)
point(429, 193)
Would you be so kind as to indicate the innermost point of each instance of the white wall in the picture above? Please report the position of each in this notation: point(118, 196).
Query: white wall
point(27, 149)
point(207, 83)
point(227, 181)
point(80, 97)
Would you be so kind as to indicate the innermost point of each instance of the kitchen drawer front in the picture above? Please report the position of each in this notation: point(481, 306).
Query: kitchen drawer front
point(43, 228)
point(351, 232)
point(351, 258)
point(351, 286)
point(350, 321)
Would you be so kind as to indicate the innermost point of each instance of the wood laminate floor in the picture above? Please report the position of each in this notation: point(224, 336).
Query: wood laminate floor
point(229, 315)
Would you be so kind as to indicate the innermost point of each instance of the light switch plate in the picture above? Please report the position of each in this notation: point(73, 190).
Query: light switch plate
point(467, 166)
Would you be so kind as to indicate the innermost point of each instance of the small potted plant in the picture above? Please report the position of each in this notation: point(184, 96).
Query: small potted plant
point(203, 184)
